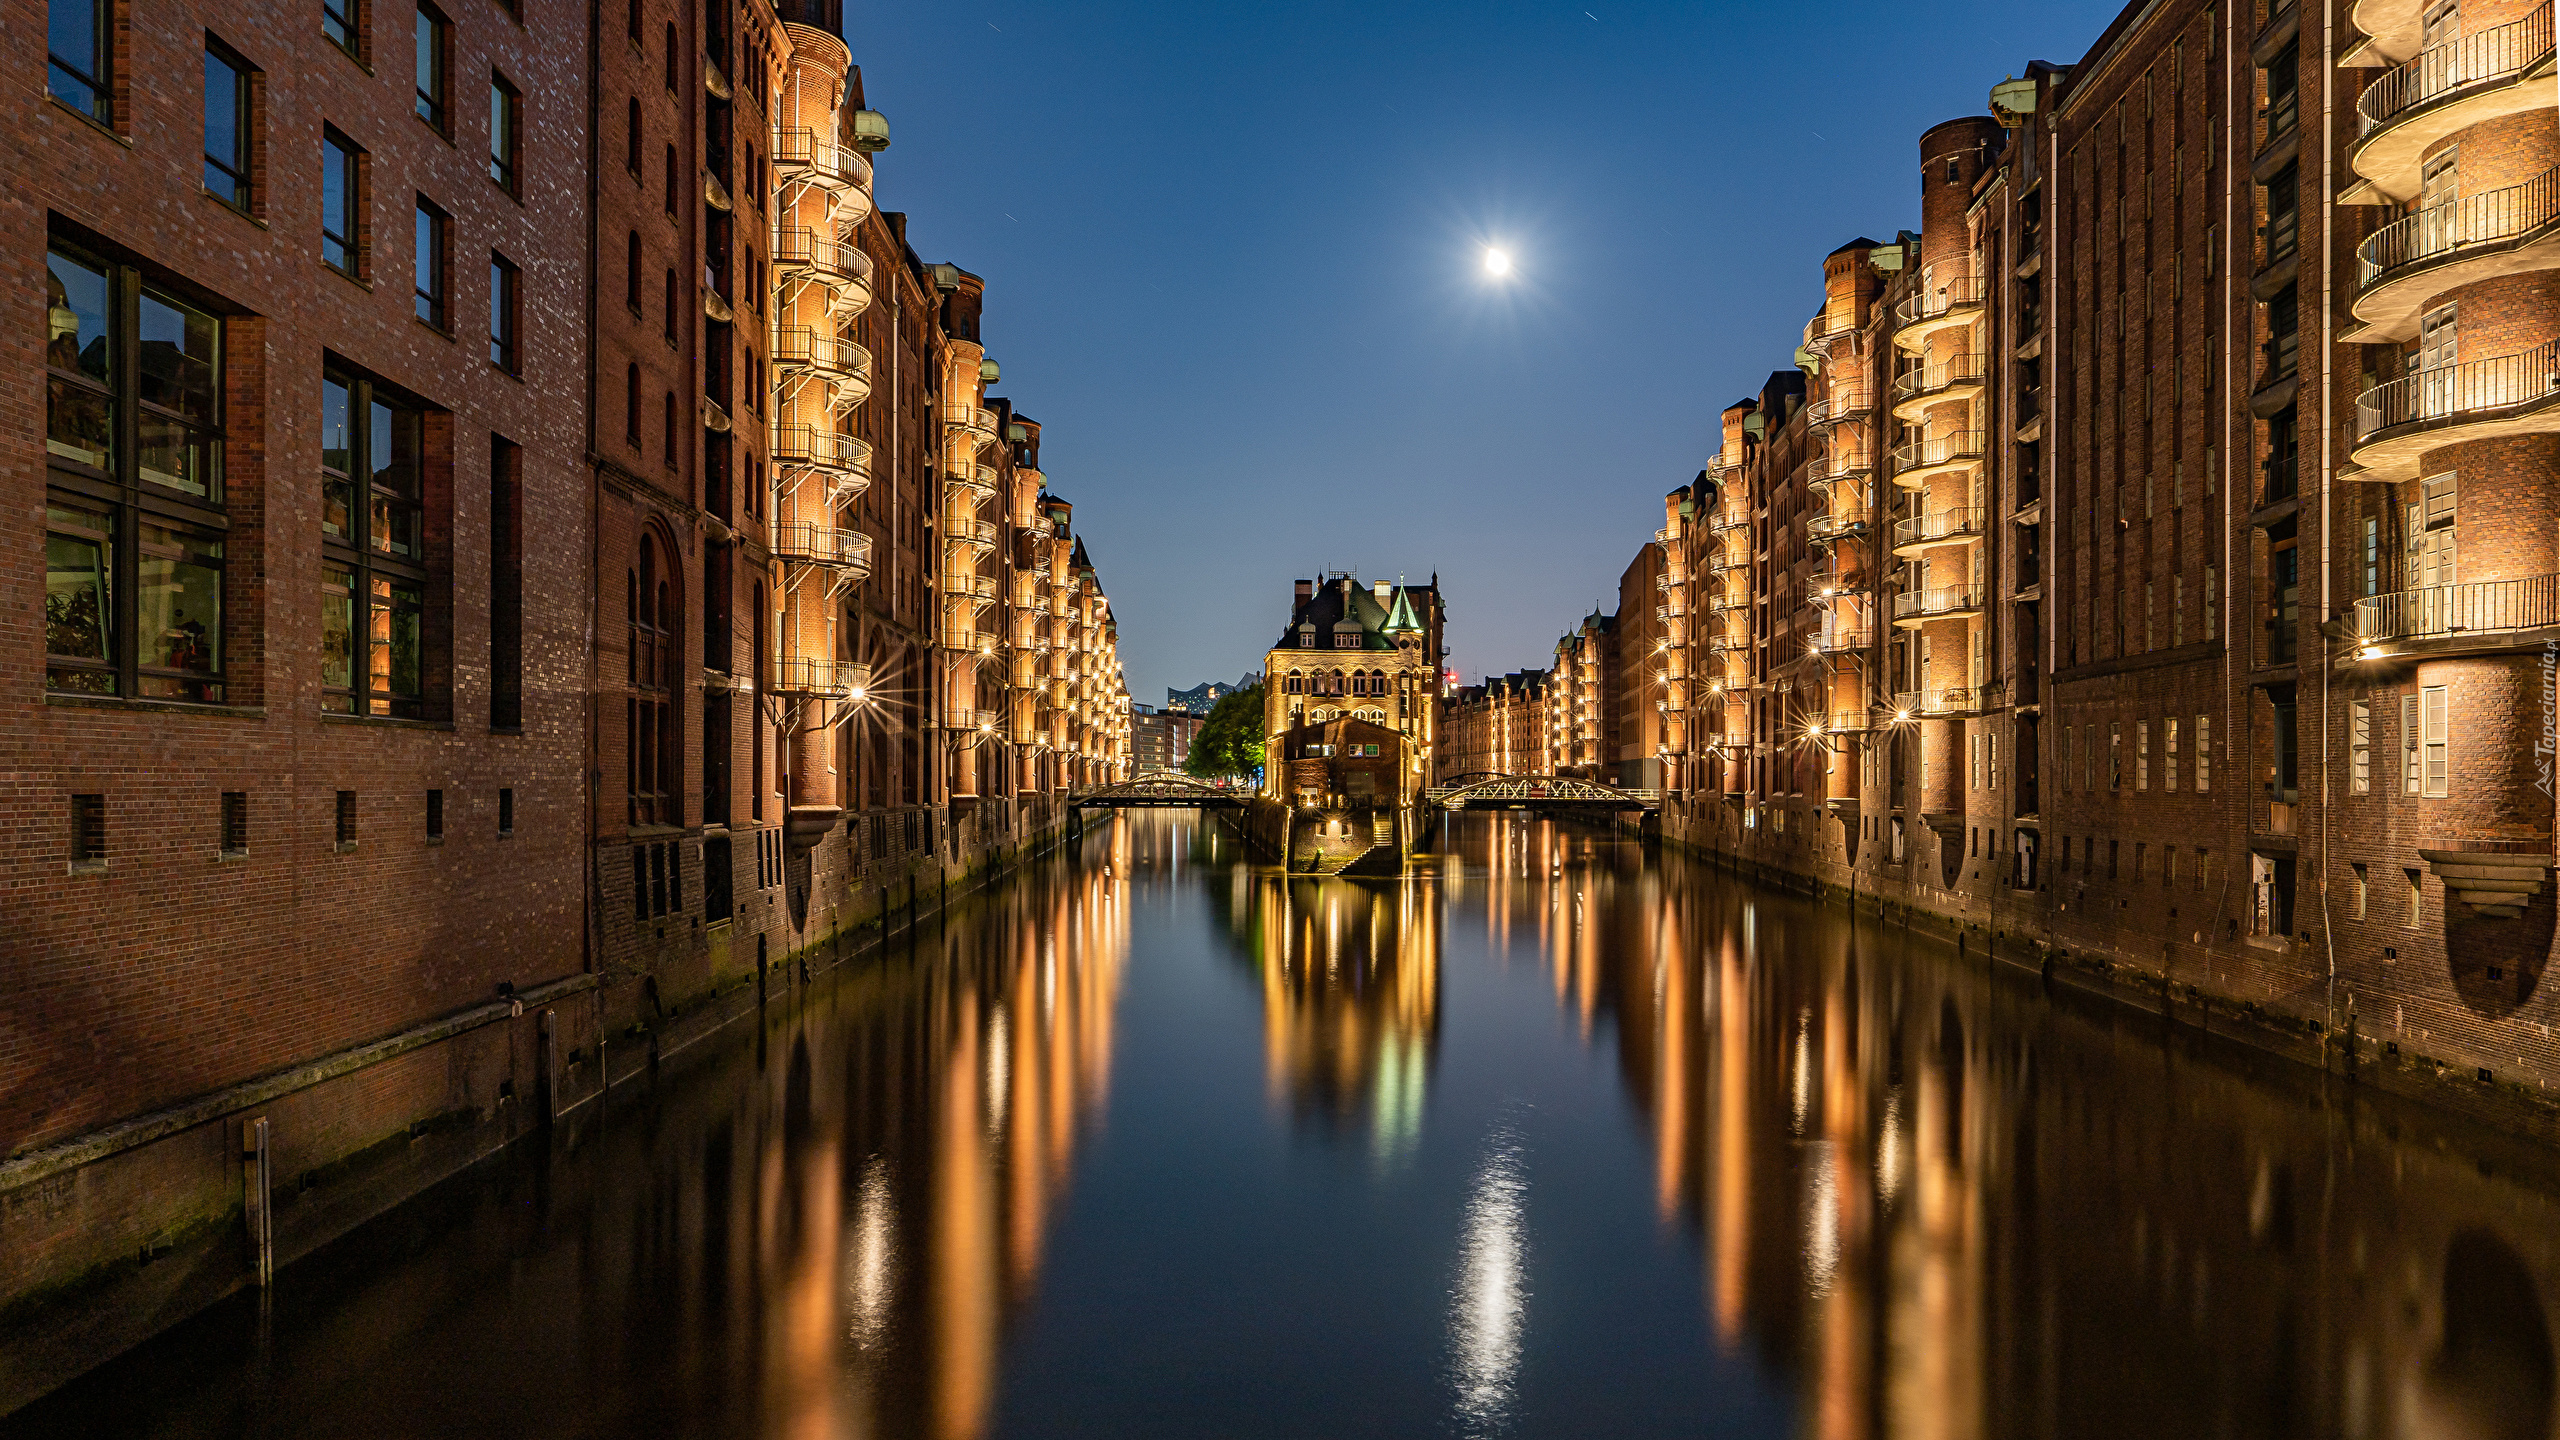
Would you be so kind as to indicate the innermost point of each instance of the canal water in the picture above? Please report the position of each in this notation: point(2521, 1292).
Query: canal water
point(1552, 1138)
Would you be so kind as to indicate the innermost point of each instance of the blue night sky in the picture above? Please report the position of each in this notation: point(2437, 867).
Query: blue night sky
point(1233, 260)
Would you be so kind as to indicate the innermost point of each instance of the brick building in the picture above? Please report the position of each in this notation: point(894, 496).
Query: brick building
point(1160, 739)
point(1496, 728)
point(668, 637)
point(1368, 652)
point(2230, 718)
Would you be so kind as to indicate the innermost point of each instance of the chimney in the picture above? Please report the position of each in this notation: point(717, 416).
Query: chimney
point(1381, 589)
point(1306, 592)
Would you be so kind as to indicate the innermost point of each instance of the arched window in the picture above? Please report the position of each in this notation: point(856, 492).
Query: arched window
point(631, 405)
point(672, 52)
point(631, 138)
point(1295, 685)
point(671, 429)
point(675, 303)
point(631, 274)
point(675, 182)
point(656, 639)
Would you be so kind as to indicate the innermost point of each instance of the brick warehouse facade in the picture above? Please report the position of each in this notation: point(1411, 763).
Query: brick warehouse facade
point(2145, 570)
point(366, 825)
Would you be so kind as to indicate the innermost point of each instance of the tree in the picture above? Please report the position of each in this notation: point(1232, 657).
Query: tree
point(1231, 742)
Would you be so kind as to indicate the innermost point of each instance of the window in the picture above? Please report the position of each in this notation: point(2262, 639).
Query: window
point(631, 138)
point(2435, 734)
point(134, 501)
point(2142, 755)
point(226, 126)
point(675, 187)
point(2204, 753)
point(502, 314)
point(88, 832)
point(77, 34)
point(2212, 601)
point(373, 552)
point(2416, 897)
point(435, 816)
point(2070, 754)
point(434, 231)
point(506, 586)
point(506, 139)
point(2357, 873)
point(2360, 747)
point(346, 815)
point(656, 634)
point(435, 46)
point(506, 813)
point(338, 22)
point(2169, 754)
point(234, 840)
point(675, 304)
point(631, 273)
point(2409, 772)
point(631, 405)
point(675, 49)
point(2115, 755)
point(670, 440)
point(341, 204)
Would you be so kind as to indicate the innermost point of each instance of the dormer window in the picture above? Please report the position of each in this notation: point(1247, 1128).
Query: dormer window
point(1346, 639)
point(1307, 637)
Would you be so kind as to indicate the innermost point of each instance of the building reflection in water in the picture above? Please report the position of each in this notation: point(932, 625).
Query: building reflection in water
point(1938, 1203)
point(1350, 975)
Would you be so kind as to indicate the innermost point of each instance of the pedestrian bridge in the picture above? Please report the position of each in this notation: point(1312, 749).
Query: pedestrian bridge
point(1537, 792)
point(1163, 792)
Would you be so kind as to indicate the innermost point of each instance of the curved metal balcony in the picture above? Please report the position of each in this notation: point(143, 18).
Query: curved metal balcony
point(2408, 262)
point(1958, 377)
point(1840, 403)
point(1913, 608)
point(2446, 90)
point(1841, 722)
point(1937, 700)
point(1839, 463)
point(807, 157)
point(844, 268)
point(1914, 464)
point(819, 678)
point(1831, 529)
point(976, 422)
point(844, 460)
point(2398, 421)
point(1942, 527)
point(977, 534)
point(1670, 610)
point(1728, 644)
point(977, 482)
point(1722, 600)
point(1826, 330)
point(824, 546)
point(1942, 306)
point(1839, 639)
point(1727, 517)
point(2479, 610)
point(799, 351)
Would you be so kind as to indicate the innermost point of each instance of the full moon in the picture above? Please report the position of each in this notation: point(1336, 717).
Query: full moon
point(1497, 262)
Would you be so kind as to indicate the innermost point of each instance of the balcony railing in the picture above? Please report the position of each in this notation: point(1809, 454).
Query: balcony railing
point(1941, 300)
point(2479, 222)
point(1937, 700)
point(799, 248)
point(1842, 639)
point(826, 162)
point(1944, 600)
point(978, 480)
point(2490, 57)
point(1840, 722)
point(803, 543)
point(824, 449)
point(810, 675)
point(1842, 462)
point(1844, 402)
point(1947, 374)
point(1942, 526)
point(969, 532)
point(977, 420)
point(797, 347)
point(2451, 392)
point(1824, 529)
point(1727, 517)
point(1941, 450)
point(2526, 604)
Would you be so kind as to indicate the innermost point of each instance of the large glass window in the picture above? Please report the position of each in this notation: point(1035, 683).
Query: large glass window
point(432, 233)
point(134, 524)
point(226, 127)
point(506, 115)
point(434, 47)
point(76, 35)
point(373, 584)
point(338, 22)
point(341, 203)
point(502, 313)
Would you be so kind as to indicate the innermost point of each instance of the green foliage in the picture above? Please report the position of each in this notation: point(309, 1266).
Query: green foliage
point(1231, 742)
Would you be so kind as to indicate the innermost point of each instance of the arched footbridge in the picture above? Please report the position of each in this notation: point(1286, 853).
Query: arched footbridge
point(1163, 792)
point(1538, 792)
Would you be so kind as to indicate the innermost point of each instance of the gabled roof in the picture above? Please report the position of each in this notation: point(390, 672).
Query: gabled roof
point(1343, 601)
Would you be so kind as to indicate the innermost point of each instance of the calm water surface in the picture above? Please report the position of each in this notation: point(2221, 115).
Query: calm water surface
point(1551, 1139)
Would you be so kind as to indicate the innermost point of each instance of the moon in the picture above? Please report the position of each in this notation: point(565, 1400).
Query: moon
point(1497, 262)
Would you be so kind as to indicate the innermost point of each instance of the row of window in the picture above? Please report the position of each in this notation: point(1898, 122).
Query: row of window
point(137, 525)
point(2426, 743)
point(90, 834)
point(2082, 762)
point(1335, 682)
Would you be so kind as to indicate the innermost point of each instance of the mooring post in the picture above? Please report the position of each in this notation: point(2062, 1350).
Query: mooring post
point(257, 1198)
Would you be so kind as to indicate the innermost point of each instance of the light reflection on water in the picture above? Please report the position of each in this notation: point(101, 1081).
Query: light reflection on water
point(1157, 1143)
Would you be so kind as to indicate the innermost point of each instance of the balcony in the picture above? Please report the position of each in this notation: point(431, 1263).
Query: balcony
point(1943, 527)
point(805, 157)
point(2406, 263)
point(2400, 420)
point(978, 534)
point(803, 543)
point(1842, 403)
point(1847, 638)
point(975, 482)
point(1839, 722)
point(1841, 462)
point(1916, 463)
point(1937, 700)
point(844, 460)
point(1831, 529)
point(844, 268)
point(976, 422)
point(2481, 609)
point(980, 722)
point(1728, 517)
point(1958, 377)
point(1671, 609)
point(1728, 644)
point(1942, 306)
point(1914, 608)
point(2442, 92)
point(1720, 601)
point(818, 678)
point(799, 351)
